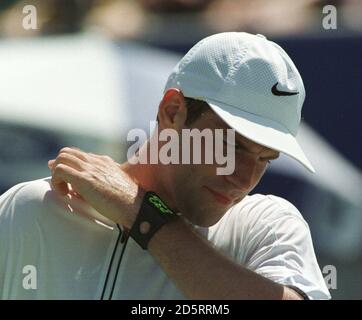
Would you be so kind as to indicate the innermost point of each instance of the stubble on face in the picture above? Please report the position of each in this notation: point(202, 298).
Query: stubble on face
point(204, 197)
point(190, 183)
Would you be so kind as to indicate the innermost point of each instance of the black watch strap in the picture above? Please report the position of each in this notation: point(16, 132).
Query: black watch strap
point(154, 213)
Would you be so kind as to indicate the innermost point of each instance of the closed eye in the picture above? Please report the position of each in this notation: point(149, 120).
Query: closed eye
point(237, 146)
point(240, 147)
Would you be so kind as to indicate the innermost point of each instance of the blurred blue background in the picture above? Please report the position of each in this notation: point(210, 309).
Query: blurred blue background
point(93, 70)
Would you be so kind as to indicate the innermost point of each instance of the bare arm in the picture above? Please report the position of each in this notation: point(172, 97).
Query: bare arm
point(198, 269)
point(202, 272)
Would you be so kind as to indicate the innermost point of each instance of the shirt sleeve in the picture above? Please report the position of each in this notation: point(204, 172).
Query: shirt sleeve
point(6, 234)
point(21, 210)
point(281, 249)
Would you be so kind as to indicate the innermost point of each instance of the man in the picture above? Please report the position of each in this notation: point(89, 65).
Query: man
point(94, 231)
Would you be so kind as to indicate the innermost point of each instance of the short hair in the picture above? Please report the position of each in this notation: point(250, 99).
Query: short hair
point(194, 109)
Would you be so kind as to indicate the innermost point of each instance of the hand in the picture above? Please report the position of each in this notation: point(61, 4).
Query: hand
point(99, 181)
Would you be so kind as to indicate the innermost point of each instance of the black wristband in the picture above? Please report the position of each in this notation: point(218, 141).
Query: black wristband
point(299, 291)
point(153, 214)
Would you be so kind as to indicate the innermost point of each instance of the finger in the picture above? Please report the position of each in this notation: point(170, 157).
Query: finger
point(62, 175)
point(62, 188)
point(76, 195)
point(51, 163)
point(75, 152)
point(84, 155)
point(95, 155)
point(71, 161)
point(65, 157)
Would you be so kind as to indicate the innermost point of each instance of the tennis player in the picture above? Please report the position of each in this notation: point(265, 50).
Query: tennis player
point(97, 229)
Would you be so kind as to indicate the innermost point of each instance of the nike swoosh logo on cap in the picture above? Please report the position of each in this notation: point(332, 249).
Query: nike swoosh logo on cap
point(277, 92)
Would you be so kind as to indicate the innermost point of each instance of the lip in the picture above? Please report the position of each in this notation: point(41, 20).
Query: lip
point(218, 196)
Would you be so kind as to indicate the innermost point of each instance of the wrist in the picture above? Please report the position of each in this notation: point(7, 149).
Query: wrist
point(133, 209)
point(153, 214)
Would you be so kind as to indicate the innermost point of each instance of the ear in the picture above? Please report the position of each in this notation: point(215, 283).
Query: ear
point(172, 112)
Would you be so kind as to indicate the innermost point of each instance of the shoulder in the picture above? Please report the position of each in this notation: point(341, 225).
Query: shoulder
point(27, 192)
point(27, 200)
point(256, 220)
point(21, 210)
point(268, 235)
point(34, 202)
point(260, 211)
point(29, 188)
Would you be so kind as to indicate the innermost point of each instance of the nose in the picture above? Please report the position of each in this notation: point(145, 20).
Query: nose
point(245, 174)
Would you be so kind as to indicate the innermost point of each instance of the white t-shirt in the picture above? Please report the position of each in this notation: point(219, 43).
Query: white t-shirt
point(54, 247)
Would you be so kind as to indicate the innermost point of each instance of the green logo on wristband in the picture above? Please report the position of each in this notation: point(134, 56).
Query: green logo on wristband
point(158, 203)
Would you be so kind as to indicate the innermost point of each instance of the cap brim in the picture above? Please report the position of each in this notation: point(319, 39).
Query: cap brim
point(262, 131)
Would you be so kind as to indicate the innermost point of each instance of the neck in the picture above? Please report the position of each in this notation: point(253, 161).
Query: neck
point(149, 176)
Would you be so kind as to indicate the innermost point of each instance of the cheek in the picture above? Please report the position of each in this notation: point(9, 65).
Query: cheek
point(184, 176)
point(259, 172)
point(249, 171)
point(199, 155)
point(191, 178)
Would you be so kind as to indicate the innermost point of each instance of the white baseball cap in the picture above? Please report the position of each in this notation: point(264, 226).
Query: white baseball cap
point(251, 83)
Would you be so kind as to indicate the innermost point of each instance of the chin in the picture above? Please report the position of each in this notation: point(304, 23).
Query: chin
point(202, 212)
point(204, 222)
